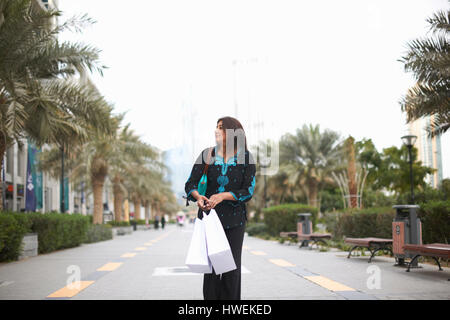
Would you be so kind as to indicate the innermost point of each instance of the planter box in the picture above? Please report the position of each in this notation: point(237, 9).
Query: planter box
point(142, 227)
point(30, 246)
point(120, 231)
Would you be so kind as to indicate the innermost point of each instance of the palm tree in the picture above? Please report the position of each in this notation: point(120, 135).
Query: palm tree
point(309, 157)
point(36, 98)
point(351, 171)
point(122, 156)
point(88, 160)
point(130, 153)
point(145, 181)
point(429, 61)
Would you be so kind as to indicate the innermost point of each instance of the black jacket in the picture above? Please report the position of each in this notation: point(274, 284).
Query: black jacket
point(237, 176)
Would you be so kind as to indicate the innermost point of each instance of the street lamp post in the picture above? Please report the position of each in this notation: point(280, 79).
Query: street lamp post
point(409, 141)
point(62, 205)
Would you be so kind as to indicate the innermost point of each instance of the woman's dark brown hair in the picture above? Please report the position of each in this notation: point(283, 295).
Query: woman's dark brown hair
point(232, 123)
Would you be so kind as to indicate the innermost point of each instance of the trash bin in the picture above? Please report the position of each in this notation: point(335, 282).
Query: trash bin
point(304, 226)
point(406, 229)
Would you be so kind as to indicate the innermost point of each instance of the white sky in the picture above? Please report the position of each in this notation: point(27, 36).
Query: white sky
point(332, 63)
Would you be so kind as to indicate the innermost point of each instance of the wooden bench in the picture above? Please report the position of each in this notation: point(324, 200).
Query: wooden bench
point(433, 250)
point(314, 237)
point(292, 235)
point(373, 244)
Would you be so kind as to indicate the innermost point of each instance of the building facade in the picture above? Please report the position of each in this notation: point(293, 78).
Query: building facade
point(429, 149)
point(14, 180)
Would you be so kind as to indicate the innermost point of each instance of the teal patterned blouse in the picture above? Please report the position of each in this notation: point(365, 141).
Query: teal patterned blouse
point(236, 176)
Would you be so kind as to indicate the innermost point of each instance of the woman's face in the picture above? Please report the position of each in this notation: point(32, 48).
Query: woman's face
point(219, 133)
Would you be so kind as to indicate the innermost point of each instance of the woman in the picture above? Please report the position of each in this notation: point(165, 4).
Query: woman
point(230, 184)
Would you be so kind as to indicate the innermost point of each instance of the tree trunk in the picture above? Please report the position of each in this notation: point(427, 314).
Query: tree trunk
point(312, 193)
point(152, 210)
point(147, 211)
point(97, 184)
point(126, 211)
point(157, 210)
point(351, 171)
point(137, 209)
point(118, 200)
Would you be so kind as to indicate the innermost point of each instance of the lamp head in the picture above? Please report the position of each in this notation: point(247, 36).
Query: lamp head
point(409, 140)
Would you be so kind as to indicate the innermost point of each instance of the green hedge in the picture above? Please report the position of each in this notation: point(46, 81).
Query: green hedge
point(371, 222)
point(435, 218)
point(119, 223)
point(283, 218)
point(59, 231)
point(98, 232)
point(377, 222)
point(55, 231)
point(255, 228)
point(13, 226)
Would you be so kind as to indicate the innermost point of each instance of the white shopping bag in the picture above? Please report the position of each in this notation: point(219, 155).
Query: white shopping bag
point(219, 251)
point(197, 257)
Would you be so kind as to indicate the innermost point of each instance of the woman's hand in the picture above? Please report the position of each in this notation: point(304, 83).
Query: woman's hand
point(202, 203)
point(215, 199)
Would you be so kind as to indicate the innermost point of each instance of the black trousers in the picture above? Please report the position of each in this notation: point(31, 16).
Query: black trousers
point(227, 286)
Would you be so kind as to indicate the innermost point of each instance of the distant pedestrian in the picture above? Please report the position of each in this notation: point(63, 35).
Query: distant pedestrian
point(156, 222)
point(230, 183)
point(163, 222)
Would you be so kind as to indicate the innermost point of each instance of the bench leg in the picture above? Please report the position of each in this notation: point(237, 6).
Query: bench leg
point(350, 252)
point(437, 261)
point(378, 249)
point(372, 253)
point(303, 243)
point(324, 243)
point(410, 264)
point(390, 249)
point(316, 242)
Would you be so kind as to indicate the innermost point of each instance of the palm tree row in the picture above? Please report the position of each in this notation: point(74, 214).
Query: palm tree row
point(39, 96)
point(312, 161)
point(307, 160)
point(46, 96)
point(134, 168)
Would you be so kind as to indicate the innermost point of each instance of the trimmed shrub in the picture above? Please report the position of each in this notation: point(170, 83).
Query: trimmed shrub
point(371, 222)
point(13, 226)
point(435, 218)
point(59, 231)
point(119, 223)
point(283, 218)
point(256, 228)
point(98, 232)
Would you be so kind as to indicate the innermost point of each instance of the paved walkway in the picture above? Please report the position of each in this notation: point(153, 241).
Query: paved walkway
point(150, 265)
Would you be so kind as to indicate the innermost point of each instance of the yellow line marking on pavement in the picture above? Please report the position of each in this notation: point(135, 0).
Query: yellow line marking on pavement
point(259, 253)
point(110, 266)
point(328, 283)
point(140, 248)
point(70, 290)
point(148, 244)
point(245, 247)
point(281, 263)
point(128, 255)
